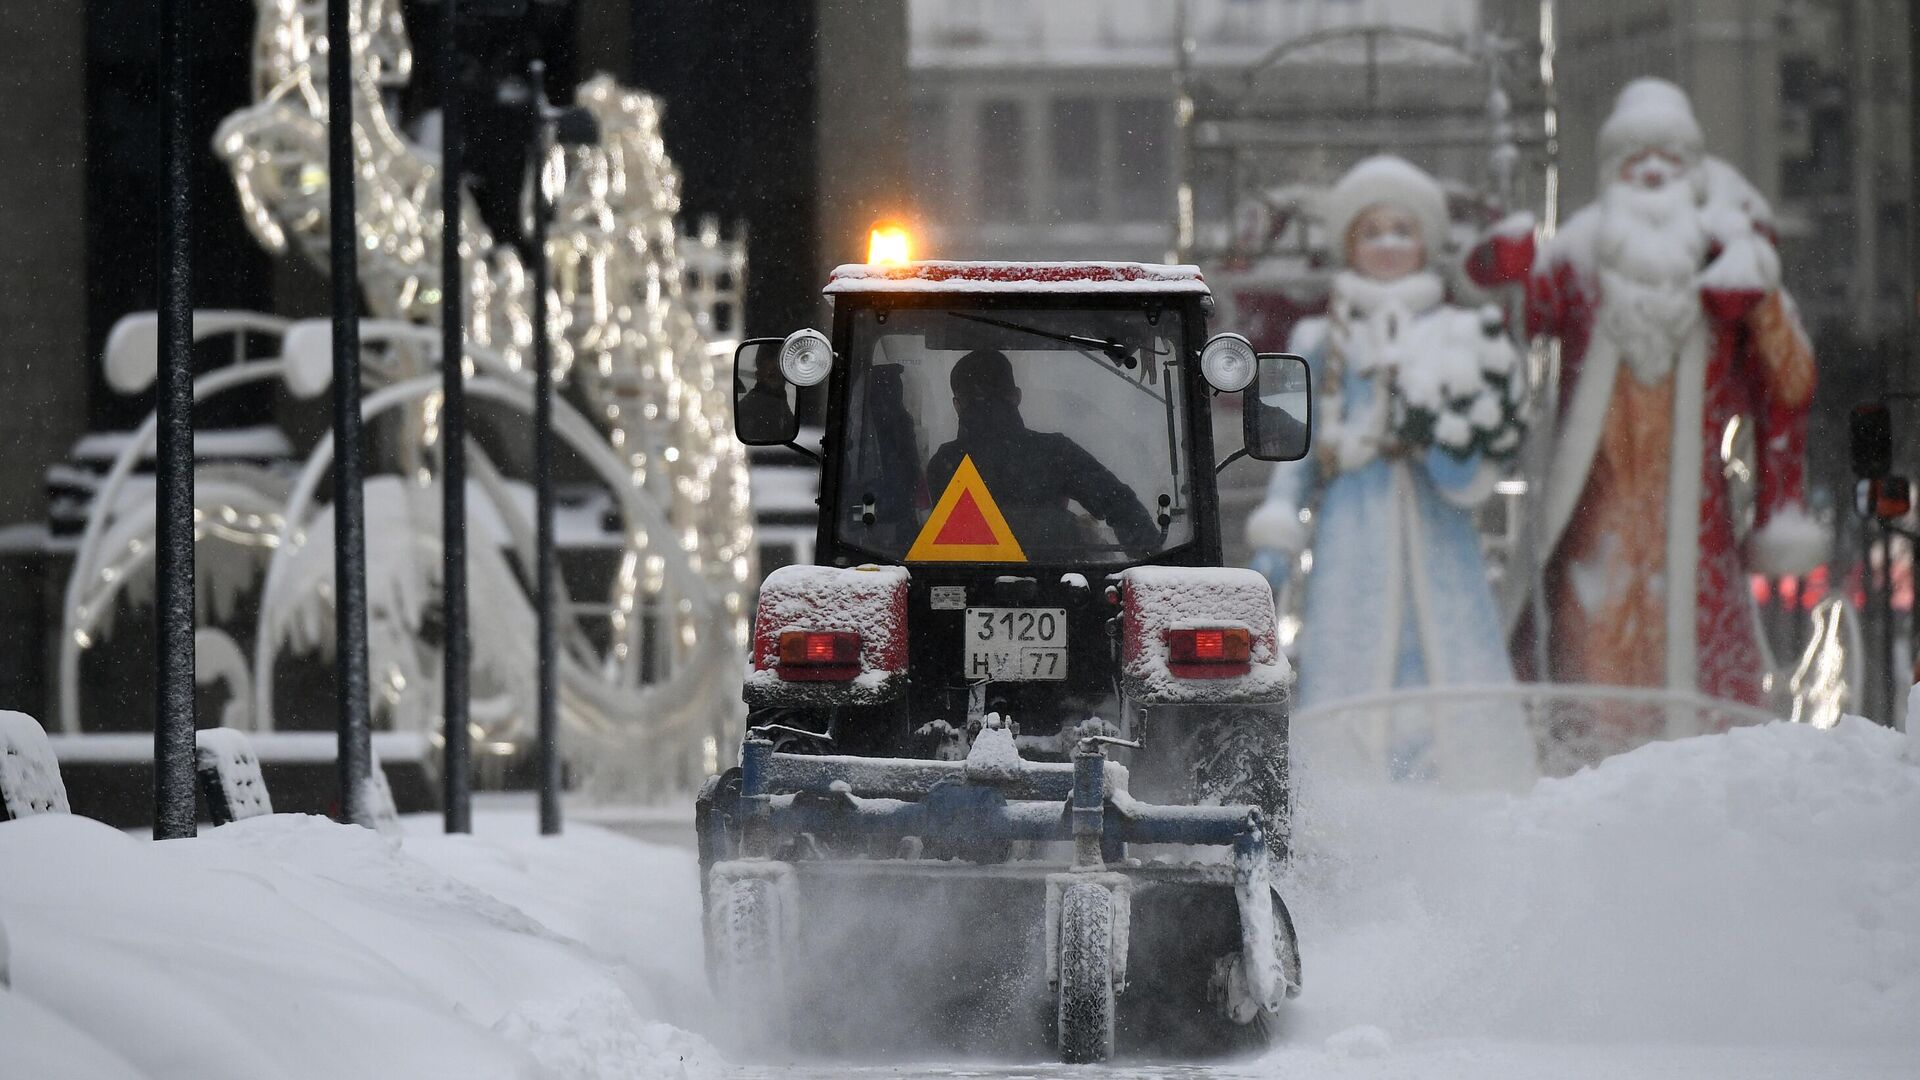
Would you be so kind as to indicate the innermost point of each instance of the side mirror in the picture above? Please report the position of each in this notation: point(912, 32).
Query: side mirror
point(1277, 409)
point(765, 404)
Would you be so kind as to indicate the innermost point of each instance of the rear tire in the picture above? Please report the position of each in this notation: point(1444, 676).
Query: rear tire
point(748, 966)
point(1218, 755)
point(1086, 1005)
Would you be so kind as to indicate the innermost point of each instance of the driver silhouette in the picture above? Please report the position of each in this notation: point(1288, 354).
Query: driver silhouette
point(1032, 474)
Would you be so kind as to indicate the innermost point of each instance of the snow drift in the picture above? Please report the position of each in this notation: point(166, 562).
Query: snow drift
point(1758, 888)
point(289, 946)
point(1740, 905)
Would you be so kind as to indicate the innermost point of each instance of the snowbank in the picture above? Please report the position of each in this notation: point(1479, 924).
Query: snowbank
point(35, 1042)
point(630, 902)
point(1754, 889)
point(289, 946)
point(1741, 905)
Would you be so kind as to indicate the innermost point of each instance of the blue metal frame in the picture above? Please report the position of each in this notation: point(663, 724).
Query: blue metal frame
point(783, 796)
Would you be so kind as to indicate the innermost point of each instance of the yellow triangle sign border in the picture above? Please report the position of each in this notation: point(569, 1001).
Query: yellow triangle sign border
point(966, 479)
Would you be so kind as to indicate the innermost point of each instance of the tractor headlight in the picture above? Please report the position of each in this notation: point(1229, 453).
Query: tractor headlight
point(806, 357)
point(1228, 362)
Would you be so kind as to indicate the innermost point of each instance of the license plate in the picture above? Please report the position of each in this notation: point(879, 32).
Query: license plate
point(1016, 644)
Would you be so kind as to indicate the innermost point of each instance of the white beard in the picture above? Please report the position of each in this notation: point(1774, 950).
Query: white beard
point(1649, 247)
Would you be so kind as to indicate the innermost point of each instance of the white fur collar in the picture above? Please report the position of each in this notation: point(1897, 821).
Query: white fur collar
point(1417, 292)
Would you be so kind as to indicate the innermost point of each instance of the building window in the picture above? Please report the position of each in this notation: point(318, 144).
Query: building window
point(1142, 134)
point(928, 155)
point(1074, 136)
point(1892, 228)
point(1212, 188)
point(1003, 161)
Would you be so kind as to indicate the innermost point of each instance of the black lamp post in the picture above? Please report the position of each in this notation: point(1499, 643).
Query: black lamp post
point(487, 18)
point(570, 126)
point(173, 716)
point(457, 761)
point(349, 510)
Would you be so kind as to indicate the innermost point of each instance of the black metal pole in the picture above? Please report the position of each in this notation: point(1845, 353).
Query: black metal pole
point(1889, 678)
point(1875, 691)
point(457, 762)
point(548, 711)
point(349, 511)
point(1912, 381)
point(173, 719)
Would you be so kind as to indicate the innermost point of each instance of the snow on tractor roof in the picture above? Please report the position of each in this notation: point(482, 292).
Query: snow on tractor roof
point(1017, 277)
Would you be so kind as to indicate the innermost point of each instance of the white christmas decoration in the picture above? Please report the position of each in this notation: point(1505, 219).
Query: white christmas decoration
point(627, 343)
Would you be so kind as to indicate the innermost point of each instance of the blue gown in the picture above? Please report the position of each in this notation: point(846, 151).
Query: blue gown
point(1397, 595)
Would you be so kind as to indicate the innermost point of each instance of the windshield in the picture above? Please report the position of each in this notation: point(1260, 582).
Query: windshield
point(1011, 435)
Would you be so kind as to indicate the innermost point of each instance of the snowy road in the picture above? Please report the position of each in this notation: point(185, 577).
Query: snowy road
point(1442, 1061)
point(1741, 906)
point(668, 828)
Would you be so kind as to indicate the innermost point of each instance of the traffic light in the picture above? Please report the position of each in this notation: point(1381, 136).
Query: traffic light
point(1890, 497)
point(1871, 440)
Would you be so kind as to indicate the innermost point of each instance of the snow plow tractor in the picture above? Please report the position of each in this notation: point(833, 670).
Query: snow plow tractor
point(1015, 776)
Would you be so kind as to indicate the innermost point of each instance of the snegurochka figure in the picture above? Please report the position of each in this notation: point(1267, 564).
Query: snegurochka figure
point(1418, 413)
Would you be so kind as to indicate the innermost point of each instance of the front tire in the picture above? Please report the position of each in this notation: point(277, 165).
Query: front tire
point(749, 966)
point(1086, 999)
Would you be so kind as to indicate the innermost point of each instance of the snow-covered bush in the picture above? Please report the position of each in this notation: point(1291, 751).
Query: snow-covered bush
point(1466, 395)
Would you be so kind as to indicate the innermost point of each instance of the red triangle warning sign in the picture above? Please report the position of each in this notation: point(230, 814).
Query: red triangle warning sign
point(966, 525)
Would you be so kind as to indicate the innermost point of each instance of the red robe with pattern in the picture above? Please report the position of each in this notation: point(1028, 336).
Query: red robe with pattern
point(1619, 441)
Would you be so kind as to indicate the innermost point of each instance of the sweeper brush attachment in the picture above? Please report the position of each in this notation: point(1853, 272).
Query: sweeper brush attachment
point(869, 905)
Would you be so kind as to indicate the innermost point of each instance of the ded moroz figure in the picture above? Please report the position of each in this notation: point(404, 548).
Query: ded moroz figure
point(1666, 298)
point(1418, 411)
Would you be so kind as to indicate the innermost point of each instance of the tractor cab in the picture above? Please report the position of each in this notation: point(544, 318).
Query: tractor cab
point(1014, 435)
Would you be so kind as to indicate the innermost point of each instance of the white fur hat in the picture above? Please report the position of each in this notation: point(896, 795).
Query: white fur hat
point(1386, 179)
point(1649, 114)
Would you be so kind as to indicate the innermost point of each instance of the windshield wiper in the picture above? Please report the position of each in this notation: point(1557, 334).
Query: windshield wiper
point(1079, 342)
point(1115, 351)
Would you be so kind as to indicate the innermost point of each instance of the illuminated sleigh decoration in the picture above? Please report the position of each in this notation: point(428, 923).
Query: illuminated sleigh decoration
point(626, 331)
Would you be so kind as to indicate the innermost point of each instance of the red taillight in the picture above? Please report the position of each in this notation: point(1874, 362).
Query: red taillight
point(1209, 652)
point(819, 655)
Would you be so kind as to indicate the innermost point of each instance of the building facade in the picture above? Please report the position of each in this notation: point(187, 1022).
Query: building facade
point(1052, 130)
